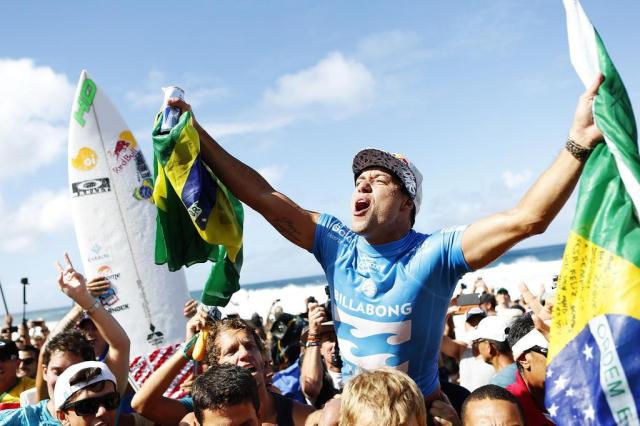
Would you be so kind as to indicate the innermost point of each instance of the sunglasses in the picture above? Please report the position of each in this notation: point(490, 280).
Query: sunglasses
point(540, 350)
point(90, 406)
point(27, 361)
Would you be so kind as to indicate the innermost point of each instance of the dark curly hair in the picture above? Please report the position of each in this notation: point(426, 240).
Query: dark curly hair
point(223, 386)
point(69, 341)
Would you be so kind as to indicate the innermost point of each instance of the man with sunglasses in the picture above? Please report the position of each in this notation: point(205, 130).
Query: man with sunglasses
point(28, 357)
point(10, 384)
point(86, 394)
point(529, 349)
point(491, 341)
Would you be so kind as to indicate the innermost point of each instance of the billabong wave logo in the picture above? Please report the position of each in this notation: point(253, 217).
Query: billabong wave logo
point(373, 335)
point(86, 159)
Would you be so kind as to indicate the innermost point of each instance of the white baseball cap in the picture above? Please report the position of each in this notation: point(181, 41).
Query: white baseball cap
point(397, 164)
point(528, 341)
point(491, 328)
point(63, 389)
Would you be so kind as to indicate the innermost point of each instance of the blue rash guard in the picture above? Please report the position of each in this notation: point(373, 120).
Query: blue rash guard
point(389, 301)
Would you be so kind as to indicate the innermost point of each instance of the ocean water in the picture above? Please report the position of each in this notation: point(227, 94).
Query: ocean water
point(534, 266)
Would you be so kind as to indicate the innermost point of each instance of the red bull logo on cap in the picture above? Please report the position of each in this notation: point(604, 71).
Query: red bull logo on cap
point(401, 158)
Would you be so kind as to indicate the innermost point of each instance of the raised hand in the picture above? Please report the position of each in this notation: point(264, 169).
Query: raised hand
point(73, 284)
point(190, 308)
point(583, 130)
point(317, 316)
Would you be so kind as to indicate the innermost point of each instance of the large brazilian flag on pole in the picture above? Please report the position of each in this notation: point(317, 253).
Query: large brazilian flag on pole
point(593, 371)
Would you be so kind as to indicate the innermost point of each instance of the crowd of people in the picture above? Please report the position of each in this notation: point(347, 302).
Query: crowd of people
point(491, 367)
point(385, 350)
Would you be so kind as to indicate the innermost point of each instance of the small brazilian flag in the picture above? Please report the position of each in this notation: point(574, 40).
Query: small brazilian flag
point(198, 219)
point(593, 371)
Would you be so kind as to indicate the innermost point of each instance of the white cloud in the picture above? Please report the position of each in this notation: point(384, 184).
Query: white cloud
point(334, 82)
point(515, 179)
point(44, 212)
point(35, 107)
point(333, 88)
point(273, 174)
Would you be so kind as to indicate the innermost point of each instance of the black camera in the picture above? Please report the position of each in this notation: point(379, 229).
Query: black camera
point(327, 305)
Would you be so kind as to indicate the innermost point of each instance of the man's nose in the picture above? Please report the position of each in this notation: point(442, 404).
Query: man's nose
point(101, 411)
point(364, 186)
point(243, 353)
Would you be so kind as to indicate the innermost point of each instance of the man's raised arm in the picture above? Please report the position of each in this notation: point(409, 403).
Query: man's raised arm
point(293, 222)
point(484, 241)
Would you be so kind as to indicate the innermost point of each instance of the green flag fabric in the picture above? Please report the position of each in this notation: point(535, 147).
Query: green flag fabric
point(593, 370)
point(198, 219)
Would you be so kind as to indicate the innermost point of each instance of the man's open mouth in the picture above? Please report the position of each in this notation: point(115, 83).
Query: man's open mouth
point(361, 206)
point(249, 367)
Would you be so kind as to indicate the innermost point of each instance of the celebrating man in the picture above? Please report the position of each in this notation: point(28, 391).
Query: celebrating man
point(390, 285)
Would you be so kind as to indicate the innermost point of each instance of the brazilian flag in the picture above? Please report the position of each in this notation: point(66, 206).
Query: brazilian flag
point(593, 371)
point(198, 219)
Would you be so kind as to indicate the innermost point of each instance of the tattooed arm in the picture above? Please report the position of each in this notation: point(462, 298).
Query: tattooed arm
point(293, 222)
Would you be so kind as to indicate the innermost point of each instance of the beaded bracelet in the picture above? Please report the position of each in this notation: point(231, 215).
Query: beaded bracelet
point(578, 151)
point(93, 307)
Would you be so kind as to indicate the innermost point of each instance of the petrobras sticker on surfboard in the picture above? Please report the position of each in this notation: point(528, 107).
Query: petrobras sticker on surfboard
point(110, 186)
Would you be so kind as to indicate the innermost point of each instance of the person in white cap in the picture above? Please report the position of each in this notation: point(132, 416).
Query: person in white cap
point(529, 347)
point(86, 394)
point(491, 339)
point(390, 285)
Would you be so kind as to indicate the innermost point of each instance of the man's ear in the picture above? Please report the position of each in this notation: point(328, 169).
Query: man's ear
point(493, 350)
point(524, 362)
point(62, 417)
point(408, 203)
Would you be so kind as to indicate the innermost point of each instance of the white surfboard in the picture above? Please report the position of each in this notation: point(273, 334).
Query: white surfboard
point(115, 223)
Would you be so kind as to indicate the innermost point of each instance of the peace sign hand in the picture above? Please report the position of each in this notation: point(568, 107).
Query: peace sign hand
point(73, 284)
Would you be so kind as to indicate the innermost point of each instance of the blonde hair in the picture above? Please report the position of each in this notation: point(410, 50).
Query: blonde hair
point(388, 396)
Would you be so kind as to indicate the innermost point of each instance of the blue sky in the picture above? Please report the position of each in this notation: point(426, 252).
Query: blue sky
point(479, 94)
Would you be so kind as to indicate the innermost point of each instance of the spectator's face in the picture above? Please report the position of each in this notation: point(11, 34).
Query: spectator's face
point(488, 412)
point(102, 417)
point(5, 333)
point(328, 344)
point(58, 362)
point(28, 363)
point(235, 415)
point(38, 341)
point(486, 306)
point(503, 299)
point(237, 347)
point(8, 372)
point(535, 367)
